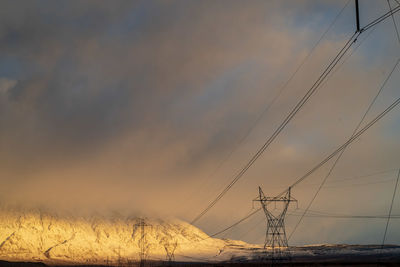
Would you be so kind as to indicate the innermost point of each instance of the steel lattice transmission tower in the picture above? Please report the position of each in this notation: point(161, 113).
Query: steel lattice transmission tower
point(143, 244)
point(275, 238)
point(170, 244)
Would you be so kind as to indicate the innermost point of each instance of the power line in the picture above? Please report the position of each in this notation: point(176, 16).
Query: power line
point(349, 178)
point(252, 212)
point(329, 214)
point(381, 18)
point(344, 148)
point(362, 176)
point(236, 223)
point(250, 229)
point(280, 91)
point(358, 134)
point(295, 110)
point(288, 118)
point(355, 136)
point(394, 22)
point(390, 209)
point(398, 175)
point(194, 258)
point(348, 216)
point(349, 56)
point(361, 184)
point(338, 216)
point(356, 178)
point(318, 214)
point(310, 211)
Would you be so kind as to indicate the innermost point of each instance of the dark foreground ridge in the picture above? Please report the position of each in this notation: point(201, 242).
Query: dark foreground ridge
point(322, 255)
point(224, 264)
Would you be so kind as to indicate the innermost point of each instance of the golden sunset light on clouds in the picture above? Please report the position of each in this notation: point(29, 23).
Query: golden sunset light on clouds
point(150, 108)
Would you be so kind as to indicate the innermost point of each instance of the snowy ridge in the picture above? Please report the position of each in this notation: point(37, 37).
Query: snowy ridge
point(39, 236)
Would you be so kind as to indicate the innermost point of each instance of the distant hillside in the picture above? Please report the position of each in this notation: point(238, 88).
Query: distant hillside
point(35, 236)
point(39, 236)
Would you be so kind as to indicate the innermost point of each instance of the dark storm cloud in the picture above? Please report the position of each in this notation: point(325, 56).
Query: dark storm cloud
point(93, 69)
point(64, 99)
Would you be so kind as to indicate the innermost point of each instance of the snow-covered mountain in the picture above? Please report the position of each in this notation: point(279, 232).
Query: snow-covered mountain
point(117, 240)
point(40, 236)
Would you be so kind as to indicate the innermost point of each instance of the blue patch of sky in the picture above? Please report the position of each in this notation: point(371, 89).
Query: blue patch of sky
point(391, 125)
point(320, 15)
point(222, 87)
point(17, 69)
point(135, 24)
point(217, 92)
point(10, 67)
point(381, 45)
point(376, 50)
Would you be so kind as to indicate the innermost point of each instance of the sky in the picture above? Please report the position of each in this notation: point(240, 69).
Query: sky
point(151, 107)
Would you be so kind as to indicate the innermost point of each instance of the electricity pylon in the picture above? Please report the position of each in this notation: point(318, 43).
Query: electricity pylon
point(275, 237)
point(170, 246)
point(144, 246)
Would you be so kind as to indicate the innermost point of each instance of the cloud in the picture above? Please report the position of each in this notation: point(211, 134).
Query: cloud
point(134, 106)
point(6, 85)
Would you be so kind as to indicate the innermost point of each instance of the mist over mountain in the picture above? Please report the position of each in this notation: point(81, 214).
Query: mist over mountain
point(36, 235)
